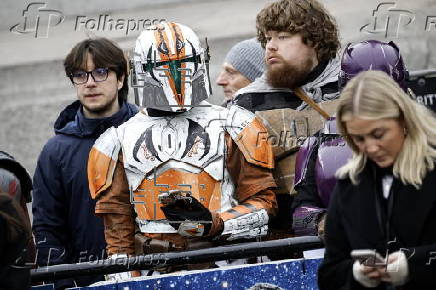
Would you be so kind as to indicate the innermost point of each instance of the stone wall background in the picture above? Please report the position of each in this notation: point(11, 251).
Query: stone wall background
point(33, 87)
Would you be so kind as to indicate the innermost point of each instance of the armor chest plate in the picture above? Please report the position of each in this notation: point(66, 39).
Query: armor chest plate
point(185, 152)
point(195, 138)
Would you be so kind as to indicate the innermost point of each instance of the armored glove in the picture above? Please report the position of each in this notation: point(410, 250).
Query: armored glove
point(117, 277)
point(189, 217)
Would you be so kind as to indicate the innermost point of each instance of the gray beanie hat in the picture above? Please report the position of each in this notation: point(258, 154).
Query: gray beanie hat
point(248, 58)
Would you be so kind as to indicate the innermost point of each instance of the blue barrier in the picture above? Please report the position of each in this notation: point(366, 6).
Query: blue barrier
point(286, 274)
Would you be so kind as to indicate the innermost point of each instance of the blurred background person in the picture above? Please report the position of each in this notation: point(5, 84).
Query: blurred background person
point(16, 182)
point(243, 64)
point(14, 237)
point(384, 198)
point(17, 249)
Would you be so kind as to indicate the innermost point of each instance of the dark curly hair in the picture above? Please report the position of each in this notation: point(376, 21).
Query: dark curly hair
point(305, 17)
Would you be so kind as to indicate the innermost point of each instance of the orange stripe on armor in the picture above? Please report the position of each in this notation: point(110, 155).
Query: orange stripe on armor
point(235, 212)
point(256, 204)
point(202, 186)
point(161, 36)
point(241, 210)
point(253, 142)
point(225, 216)
point(177, 33)
point(100, 169)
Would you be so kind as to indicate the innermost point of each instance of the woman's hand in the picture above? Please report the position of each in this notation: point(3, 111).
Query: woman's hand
point(321, 226)
point(367, 276)
point(397, 270)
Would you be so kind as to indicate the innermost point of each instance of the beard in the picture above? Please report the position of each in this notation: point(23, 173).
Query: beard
point(287, 75)
point(102, 107)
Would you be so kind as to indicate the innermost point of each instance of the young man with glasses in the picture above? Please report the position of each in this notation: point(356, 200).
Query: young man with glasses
point(65, 227)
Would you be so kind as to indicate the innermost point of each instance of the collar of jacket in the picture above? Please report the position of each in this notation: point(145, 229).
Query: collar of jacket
point(323, 75)
point(71, 120)
point(412, 208)
point(316, 72)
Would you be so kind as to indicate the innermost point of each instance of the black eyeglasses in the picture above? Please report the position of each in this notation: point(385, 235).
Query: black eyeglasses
point(98, 75)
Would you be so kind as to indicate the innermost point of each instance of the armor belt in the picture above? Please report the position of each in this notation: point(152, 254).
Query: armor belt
point(150, 245)
point(287, 130)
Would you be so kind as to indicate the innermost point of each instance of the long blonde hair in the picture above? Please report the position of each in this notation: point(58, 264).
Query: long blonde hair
point(373, 95)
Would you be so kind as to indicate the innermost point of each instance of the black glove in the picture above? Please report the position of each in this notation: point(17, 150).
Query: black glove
point(188, 210)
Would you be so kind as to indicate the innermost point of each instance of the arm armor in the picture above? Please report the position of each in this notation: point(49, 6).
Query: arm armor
point(250, 225)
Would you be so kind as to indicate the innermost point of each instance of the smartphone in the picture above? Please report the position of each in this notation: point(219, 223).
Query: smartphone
point(170, 197)
point(368, 257)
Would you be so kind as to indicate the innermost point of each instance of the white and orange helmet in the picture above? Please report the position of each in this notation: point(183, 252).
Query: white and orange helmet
point(170, 68)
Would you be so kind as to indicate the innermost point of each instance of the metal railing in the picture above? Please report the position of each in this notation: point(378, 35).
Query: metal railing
point(153, 261)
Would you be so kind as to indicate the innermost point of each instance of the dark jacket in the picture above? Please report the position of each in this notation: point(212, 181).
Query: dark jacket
point(305, 220)
point(353, 223)
point(267, 101)
point(65, 226)
point(14, 238)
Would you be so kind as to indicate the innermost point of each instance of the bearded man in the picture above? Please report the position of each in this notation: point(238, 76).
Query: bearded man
point(301, 44)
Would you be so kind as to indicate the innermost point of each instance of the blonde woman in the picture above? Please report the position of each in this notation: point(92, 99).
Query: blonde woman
point(385, 198)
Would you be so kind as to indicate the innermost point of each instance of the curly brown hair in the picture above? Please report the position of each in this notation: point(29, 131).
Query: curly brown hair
point(305, 17)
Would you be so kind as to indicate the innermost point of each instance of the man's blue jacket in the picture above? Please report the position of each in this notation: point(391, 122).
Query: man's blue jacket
point(64, 224)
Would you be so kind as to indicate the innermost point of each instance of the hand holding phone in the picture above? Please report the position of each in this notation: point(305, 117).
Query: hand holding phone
point(368, 257)
point(172, 196)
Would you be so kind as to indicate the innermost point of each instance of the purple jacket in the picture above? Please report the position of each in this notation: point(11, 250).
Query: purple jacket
point(317, 161)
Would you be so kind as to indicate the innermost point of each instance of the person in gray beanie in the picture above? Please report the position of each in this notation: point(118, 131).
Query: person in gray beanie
point(242, 65)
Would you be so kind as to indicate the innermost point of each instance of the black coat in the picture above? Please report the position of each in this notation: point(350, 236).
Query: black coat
point(352, 223)
point(64, 224)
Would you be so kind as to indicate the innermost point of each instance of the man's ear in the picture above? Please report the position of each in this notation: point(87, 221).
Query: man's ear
point(120, 82)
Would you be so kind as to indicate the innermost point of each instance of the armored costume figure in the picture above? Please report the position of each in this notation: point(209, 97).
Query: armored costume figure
point(325, 152)
point(183, 170)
